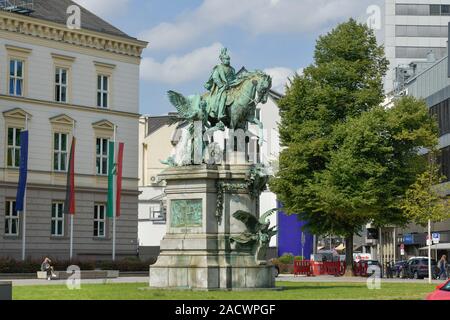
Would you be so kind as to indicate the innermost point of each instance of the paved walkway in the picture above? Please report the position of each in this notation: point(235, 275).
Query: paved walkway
point(289, 278)
point(38, 282)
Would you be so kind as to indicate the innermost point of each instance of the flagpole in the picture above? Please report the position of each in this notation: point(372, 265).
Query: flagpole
point(114, 214)
point(71, 215)
point(24, 213)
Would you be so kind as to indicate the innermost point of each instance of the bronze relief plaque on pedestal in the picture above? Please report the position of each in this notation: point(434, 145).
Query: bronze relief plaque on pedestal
point(187, 213)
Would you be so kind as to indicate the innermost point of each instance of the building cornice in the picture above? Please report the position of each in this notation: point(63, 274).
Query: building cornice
point(79, 37)
point(68, 106)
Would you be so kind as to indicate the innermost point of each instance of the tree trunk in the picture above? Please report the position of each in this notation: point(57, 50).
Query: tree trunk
point(349, 255)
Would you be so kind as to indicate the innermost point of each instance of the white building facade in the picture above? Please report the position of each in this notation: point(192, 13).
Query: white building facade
point(59, 83)
point(413, 28)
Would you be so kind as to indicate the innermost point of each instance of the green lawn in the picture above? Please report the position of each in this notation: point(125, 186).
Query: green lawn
point(292, 291)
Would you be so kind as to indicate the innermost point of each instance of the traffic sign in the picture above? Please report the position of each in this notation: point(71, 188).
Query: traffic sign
point(436, 238)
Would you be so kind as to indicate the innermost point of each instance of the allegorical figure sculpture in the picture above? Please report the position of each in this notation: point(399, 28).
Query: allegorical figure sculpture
point(258, 234)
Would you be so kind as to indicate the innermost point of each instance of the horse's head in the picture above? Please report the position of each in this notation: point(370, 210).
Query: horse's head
point(263, 88)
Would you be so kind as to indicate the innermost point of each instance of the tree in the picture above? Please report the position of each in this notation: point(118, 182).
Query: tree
point(342, 151)
point(377, 161)
point(426, 201)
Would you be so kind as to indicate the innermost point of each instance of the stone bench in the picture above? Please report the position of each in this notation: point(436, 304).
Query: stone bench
point(5, 291)
point(90, 274)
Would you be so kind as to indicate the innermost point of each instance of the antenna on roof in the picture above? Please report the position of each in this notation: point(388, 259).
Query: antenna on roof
point(17, 6)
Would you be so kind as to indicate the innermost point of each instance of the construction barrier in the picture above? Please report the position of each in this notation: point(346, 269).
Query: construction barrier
point(335, 268)
point(332, 268)
point(302, 268)
point(360, 268)
point(315, 268)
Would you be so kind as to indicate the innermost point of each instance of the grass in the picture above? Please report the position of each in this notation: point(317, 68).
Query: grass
point(292, 291)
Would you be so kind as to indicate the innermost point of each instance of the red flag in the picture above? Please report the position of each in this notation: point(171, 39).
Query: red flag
point(119, 177)
point(69, 205)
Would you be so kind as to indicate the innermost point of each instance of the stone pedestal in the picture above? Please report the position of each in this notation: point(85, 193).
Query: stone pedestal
point(196, 252)
point(5, 291)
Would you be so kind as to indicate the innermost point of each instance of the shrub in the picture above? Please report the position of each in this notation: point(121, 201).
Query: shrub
point(287, 258)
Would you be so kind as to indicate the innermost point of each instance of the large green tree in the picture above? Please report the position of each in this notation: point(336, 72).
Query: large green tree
point(346, 160)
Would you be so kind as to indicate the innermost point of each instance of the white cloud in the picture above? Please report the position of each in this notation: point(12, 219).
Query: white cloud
point(254, 16)
point(280, 77)
point(105, 8)
point(180, 69)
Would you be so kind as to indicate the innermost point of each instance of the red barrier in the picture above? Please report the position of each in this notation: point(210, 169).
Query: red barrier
point(309, 268)
point(302, 268)
point(335, 268)
point(360, 268)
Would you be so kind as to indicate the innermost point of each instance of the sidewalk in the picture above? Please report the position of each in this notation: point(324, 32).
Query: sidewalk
point(291, 278)
point(281, 278)
point(38, 282)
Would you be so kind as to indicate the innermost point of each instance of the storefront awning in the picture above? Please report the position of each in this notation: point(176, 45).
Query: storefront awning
point(439, 246)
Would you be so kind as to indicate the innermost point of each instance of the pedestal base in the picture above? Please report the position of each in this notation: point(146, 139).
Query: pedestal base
point(197, 252)
point(212, 278)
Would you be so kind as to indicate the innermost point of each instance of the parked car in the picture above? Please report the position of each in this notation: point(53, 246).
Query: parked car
point(417, 268)
point(399, 269)
point(442, 292)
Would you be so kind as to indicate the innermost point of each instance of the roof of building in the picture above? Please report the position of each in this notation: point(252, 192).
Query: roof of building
point(56, 11)
point(154, 123)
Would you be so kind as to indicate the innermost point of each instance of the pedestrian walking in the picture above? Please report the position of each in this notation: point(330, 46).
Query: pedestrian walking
point(443, 268)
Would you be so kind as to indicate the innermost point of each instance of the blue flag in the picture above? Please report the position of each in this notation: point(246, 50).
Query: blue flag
point(20, 199)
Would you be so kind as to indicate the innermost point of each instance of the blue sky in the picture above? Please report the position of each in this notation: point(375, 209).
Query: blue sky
point(185, 37)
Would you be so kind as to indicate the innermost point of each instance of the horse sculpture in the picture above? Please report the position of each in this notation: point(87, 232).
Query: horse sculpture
point(245, 93)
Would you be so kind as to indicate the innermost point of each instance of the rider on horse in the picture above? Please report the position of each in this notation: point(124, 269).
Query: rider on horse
point(223, 77)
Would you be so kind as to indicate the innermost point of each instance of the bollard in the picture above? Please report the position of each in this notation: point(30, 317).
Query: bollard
point(5, 291)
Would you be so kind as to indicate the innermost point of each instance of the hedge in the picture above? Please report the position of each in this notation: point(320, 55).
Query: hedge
point(30, 266)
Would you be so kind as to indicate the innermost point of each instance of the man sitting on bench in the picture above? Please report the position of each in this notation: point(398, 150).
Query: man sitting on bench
point(46, 267)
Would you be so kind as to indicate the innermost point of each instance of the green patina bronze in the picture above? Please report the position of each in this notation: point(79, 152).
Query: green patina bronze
point(258, 234)
point(186, 213)
point(230, 103)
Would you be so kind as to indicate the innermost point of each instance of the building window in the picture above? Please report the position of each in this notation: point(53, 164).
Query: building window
point(435, 10)
point(60, 152)
point(61, 85)
point(11, 219)
point(421, 31)
point(441, 112)
point(102, 91)
point(412, 9)
point(102, 156)
point(99, 221)
point(445, 10)
point(13, 160)
point(16, 77)
point(419, 52)
point(57, 219)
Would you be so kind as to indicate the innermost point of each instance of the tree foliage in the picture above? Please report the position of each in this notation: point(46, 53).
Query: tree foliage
point(346, 160)
point(427, 197)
